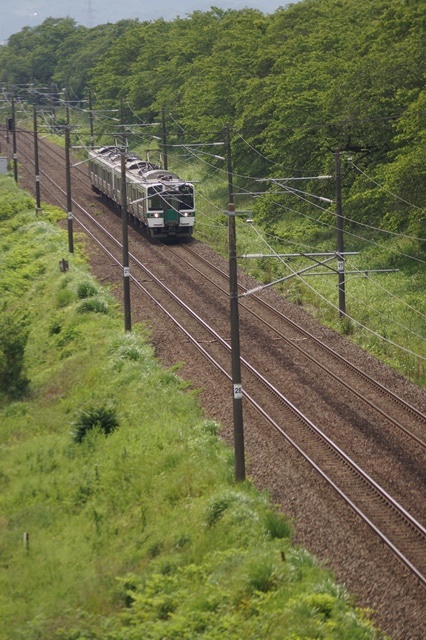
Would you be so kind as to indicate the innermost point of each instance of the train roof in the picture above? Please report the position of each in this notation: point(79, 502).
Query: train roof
point(135, 166)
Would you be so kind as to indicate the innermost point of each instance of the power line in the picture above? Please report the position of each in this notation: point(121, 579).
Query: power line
point(387, 190)
point(328, 302)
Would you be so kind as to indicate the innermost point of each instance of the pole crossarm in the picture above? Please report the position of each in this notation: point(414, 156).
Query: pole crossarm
point(299, 255)
point(288, 179)
point(198, 144)
point(331, 270)
point(291, 275)
point(363, 272)
point(81, 161)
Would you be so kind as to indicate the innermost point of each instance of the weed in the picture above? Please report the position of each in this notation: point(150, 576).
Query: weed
point(86, 289)
point(261, 575)
point(277, 526)
point(217, 507)
point(103, 417)
point(347, 327)
point(64, 298)
point(155, 549)
point(92, 305)
point(13, 340)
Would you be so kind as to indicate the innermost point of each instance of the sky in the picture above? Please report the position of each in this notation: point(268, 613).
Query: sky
point(16, 14)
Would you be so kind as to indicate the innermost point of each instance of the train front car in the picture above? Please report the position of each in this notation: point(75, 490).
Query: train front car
point(170, 205)
point(157, 198)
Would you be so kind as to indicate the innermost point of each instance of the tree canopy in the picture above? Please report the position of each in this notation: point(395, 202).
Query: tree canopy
point(293, 85)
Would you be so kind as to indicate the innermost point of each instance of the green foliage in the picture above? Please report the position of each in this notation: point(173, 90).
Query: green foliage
point(93, 305)
point(64, 298)
point(86, 289)
point(13, 339)
point(276, 525)
point(99, 417)
point(295, 84)
point(13, 200)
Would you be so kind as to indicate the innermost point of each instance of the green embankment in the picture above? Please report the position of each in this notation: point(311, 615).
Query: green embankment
point(120, 519)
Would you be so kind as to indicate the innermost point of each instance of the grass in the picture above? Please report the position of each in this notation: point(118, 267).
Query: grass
point(136, 529)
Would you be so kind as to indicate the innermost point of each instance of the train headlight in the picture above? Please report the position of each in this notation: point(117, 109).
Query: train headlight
point(156, 215)
point(186, 214)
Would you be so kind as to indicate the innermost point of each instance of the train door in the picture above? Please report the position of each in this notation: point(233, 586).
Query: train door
point(171, 211)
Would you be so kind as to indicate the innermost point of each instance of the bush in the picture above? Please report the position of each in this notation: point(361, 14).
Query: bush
point(13, 340)
point(86, 290)
point(104, 418)
point(13, 201)
point(92, 305)
point(64, 298)
point(277, 526)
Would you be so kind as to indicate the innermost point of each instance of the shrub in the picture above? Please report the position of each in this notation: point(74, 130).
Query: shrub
point(261, 575)
point(277, 526)
point(217, 507)
point(13, 340)
point(86, 290)
point(104, 418)
point(93, 305)
point(13, 201)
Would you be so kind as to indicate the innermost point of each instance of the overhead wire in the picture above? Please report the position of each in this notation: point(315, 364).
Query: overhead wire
point(375, 283)
point(352, 221)
point(328, 225)
point(384, 188)
point(328, 302)
point(298, 192)
point(326, 210)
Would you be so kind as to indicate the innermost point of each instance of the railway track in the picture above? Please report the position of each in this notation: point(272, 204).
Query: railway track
point(399, 413)
point(402, 533)
point(396, 528)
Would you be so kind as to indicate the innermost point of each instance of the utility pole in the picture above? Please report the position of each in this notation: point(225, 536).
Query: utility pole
point(123, 131)
point(15, 154)
point(164, 138)
point(53, 99)
point(92, 136)
point(126, 268)
point(68, 182)
point(36, 164)
point(125, 231)
point(229, 157)
point(237, 390)
point(339, 230)
point(67, 107)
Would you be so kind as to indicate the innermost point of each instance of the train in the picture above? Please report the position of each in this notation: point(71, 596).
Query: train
point(157, 198)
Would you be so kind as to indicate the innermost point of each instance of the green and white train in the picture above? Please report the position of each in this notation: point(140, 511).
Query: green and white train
point(161, 201)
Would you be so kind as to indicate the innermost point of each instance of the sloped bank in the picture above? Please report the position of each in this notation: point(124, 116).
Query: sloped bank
point(120, 517)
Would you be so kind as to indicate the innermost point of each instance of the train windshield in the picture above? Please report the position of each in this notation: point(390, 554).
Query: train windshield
point(186, 198)
point(181, 199)
point(155, 201)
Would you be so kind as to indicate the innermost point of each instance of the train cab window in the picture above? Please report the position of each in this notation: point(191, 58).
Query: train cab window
point(155, 201)
point(186, 198)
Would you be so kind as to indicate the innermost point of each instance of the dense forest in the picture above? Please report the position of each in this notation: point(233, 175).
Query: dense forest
point(293, 86)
